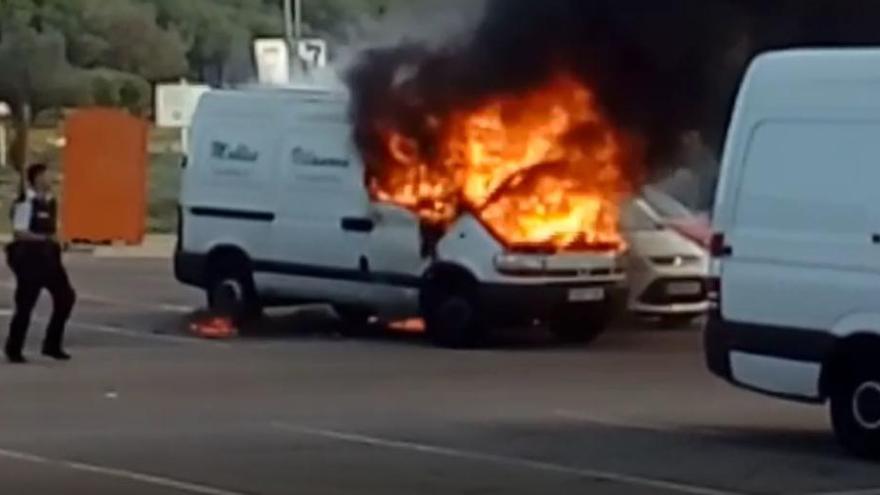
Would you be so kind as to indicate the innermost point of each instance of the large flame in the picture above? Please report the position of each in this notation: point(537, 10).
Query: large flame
point(543, 168)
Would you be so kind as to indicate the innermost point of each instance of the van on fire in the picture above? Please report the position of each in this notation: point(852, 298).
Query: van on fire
point(797, 246)
point(274, 210)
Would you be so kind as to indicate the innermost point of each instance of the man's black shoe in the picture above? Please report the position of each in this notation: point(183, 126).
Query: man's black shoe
point(57, 355)
point(16, 359)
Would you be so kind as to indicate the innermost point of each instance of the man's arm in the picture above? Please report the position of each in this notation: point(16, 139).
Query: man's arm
point(21, 223)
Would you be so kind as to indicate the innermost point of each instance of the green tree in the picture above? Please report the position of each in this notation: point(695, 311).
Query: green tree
point(35, 74)
point(133, 41)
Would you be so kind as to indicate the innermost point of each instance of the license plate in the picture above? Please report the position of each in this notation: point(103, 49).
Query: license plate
point(586, 295)
point(684, 289)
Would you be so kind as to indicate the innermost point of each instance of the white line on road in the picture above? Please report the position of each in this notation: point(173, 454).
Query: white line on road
point(125, 332)
point(136, 334)
point(121, 474)
point(453, 453)
point(611, 423)
point(169, 308)
point(869, 491)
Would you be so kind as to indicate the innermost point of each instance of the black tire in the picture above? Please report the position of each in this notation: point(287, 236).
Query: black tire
point(231, 291)
point(582, 325)
point(855, 407)
point(452, 316)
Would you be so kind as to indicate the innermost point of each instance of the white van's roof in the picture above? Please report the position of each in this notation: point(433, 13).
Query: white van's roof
point(780, 77)
point(288, 93)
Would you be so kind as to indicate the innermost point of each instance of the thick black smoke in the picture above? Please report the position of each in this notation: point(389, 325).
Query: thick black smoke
point(660, 67)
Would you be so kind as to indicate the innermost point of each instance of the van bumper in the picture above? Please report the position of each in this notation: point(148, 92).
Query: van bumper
point(798, 348)
point(189, 268)
point(510, 303)
point(717, 346)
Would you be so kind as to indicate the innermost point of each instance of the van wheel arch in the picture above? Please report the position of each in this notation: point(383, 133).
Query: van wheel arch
point(860, 345)
point(446, 275)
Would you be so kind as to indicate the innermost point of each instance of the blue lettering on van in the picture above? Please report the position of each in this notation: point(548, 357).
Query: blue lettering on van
point(302, 156)
point(239, 153)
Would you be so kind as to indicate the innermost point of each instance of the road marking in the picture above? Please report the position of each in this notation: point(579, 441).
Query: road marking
point(869, 491)
point(122, 474)
point(501, 460)
point(170, 308)
point(611, 423)
point(125, 332)
point(661, 428)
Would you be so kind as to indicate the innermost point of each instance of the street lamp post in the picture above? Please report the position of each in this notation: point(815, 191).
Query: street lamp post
point(293, 28)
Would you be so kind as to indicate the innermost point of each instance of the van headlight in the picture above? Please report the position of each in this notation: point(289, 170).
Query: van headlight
point(675, 261)
point(514, 264)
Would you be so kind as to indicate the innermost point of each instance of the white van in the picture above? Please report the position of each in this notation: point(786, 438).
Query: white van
point(797, 243)
point(274, 211)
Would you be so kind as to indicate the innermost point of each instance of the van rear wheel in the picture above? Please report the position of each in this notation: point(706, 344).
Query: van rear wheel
point(855, 408)
point(231, 291)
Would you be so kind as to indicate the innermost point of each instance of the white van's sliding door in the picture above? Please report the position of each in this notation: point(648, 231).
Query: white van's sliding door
point(322, 224)
point(806, 213)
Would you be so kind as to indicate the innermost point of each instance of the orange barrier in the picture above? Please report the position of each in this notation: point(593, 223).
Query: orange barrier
point(105, 177)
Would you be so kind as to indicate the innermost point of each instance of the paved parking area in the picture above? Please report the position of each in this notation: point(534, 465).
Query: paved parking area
point(146, 409)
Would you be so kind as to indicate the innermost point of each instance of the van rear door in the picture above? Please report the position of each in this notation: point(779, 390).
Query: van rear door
point(801, 236)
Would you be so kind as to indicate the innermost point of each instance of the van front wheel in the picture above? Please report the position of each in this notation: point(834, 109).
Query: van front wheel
point(452, 315)
point(855, 409)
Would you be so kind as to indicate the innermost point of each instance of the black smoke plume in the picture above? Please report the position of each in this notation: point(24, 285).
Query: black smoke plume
point(659, 67)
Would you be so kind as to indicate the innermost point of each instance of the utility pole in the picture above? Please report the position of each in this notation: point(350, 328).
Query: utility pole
point(293, 29)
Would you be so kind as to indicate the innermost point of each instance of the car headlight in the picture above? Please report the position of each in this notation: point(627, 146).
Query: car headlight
point(518, 264)
point(675, 261)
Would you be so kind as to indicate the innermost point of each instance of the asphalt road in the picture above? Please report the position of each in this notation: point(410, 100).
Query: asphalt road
point(146, 409)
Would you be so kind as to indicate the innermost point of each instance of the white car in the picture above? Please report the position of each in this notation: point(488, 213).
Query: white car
point(668, 261)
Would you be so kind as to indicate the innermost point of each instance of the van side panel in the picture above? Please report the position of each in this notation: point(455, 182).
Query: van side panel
point(802, 225)
point(321, 194)
point(228, 188)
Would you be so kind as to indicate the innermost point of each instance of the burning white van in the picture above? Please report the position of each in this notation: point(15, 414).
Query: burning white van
point(278, 208)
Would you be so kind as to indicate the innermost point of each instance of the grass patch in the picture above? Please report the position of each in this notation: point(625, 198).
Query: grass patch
point(163, 189)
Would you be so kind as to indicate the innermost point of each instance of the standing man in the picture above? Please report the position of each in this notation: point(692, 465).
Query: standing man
point(35, 258)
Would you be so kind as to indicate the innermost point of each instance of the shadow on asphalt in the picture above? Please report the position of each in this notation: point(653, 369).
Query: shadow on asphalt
point(320, 323)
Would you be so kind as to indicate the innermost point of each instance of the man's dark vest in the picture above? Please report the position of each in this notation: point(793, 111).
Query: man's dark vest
point(44, 216)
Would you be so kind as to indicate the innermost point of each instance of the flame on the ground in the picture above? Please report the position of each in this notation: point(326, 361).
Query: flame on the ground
point(214, 328)
point(544, 168)
point(414, 325)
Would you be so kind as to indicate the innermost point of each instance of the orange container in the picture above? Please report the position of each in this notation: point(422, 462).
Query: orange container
point(105, 177)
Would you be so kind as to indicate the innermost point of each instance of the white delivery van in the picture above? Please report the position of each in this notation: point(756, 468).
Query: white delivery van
point(274, 211)
point(797, 243)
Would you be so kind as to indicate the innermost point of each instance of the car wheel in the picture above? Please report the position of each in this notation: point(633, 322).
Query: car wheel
point(231, 291)
point(582, 325)
point(452, 319)
point(855, 408)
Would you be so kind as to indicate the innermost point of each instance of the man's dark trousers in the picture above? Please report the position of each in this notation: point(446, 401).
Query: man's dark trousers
point(38, 266)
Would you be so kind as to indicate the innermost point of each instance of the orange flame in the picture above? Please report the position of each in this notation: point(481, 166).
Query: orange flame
point(539, 169)
point(214, 328)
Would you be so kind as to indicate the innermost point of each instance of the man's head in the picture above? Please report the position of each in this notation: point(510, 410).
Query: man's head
point(38, 178)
